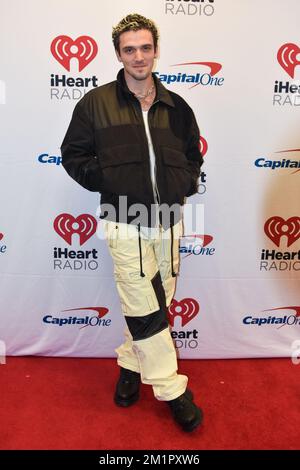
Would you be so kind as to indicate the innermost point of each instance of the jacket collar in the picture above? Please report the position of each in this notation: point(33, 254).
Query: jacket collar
point(162, 94)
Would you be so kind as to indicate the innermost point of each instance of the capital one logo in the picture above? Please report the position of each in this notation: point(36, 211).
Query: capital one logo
point(64, 48)
point(276, 227)
point(196, 245)
point(66, 226)
point(102, 311)
point(295, 308)
point(204, 240)
point(87, 320)
point(214, 67)
point(186, 309)
point(2, 247)
point(288, 320)
point(288, 57)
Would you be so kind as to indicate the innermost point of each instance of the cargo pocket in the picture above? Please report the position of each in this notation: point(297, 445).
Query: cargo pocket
point(111, 232)
point(121, 167)
point(136, 293)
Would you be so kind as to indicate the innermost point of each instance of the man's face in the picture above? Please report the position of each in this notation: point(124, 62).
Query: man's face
point(137, 53)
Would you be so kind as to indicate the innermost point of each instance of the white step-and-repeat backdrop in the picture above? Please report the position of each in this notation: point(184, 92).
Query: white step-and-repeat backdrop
point(237, 63)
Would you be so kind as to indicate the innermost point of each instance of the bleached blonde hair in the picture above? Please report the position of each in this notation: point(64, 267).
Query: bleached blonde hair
point(134, 22)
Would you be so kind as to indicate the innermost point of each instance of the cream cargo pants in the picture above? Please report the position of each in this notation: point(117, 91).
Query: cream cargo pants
point(144, 261)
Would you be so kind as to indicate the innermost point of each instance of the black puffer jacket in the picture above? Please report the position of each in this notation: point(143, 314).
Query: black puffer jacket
point(105, 148)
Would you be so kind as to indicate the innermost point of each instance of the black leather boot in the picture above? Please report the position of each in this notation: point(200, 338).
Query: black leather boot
point(128, 388)
point(185, 412)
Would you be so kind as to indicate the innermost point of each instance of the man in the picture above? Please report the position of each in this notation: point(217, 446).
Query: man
point(136, 142)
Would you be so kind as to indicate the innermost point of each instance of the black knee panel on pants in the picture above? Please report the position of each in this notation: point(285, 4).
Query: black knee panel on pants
point(149, 325)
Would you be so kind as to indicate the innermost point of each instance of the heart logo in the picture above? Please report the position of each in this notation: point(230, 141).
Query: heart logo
point(186, 309)
point(203, 146)
point(1, 236)
point(66, 225)
point(84, 48)
point(287, 58)
point(276, 227)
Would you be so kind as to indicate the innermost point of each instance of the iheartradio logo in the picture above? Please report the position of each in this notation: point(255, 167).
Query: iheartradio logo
point(288, 57)
point(186, 309)
point(64, 48)
point(203, 146)
point(276, 227)
point(66, 226)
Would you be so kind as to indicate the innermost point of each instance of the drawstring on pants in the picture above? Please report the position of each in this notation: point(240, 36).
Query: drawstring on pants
point(142, 274)
point(140, 252)
point(172, 262)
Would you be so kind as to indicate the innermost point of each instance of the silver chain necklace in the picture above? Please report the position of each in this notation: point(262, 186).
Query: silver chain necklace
point(148, 93)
